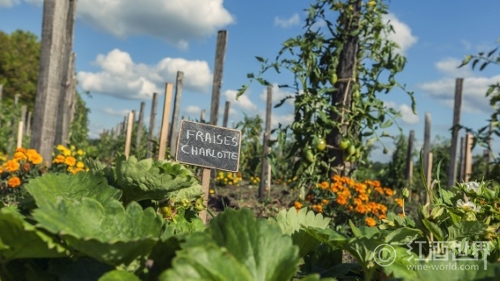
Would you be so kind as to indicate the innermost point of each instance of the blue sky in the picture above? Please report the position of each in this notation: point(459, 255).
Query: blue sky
point(128, 49)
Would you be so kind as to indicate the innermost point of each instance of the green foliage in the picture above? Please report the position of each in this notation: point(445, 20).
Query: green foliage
point(251, 145)
point(79, 127)
point(334, 102)
point(395, 172)
point(19, 62)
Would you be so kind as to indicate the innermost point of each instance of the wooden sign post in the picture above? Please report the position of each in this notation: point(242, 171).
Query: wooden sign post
point(210, 147)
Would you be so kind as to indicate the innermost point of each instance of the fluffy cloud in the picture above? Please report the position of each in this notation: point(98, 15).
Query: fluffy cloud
point(474, 88)
point(8, 3)
point(285, 23)
point(177, 21)
point(278, 95)
point(243, 101)
point(284, 120)
point(121, 77)
point(407, 114)
point(402, 34)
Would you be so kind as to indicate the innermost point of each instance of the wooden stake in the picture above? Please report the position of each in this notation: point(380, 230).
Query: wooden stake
point(164, 121)
point(428, 176)
point(202, 116)
point(452, 169)
point(461, 157)
point(220, 54)
point(128, 139)
point(427, 139)
point(265, 148)
point(140, 122)
point(175, 113)
point(226, 114)
point(152, 117)
point(20, 130)
point(469, 139)
point(205, 188)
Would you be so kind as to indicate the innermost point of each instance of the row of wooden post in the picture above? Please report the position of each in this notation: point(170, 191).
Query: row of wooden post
point(23, 122)
point(465, 152)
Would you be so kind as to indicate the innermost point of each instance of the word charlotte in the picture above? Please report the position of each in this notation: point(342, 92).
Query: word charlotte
point(202, 138)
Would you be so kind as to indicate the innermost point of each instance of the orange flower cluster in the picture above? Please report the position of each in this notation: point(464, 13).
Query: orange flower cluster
point(70, 159)
point(19, 167)
point(364, 200)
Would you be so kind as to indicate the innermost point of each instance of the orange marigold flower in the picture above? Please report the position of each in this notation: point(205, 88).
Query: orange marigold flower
point(34, 157)
point(382, 216)
point(336, 178)
point(76, 170)
point(363, 197)
point(360, 209)
point(389, 192)
point(370, 222)
point(379, 190)
point(399, 201)
point(14, 182)
point(357, 201)
point(325, 201)
point(70, 161)
point(341, 200)
point(18, 155)
point(309, 197)
point(59, 159)
point(1, 169)
point(21, 149)
point(324, 185)
point(12, 166)
point(401, 215)
point(318, 208)
point(297, 205)
point(376, 183)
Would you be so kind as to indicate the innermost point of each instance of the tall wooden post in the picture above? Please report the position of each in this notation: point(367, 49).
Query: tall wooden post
point(175, 114)
point(152, 117)
point(164, 121)
point(409, 159)
point(140, 122)
point(469, 139)
point(28, 124)
point(461, 157)
point(428, 176)
point(128, 138)
point(265, 148)
point(427, 139)
point(226, 114)
point(452, 169)
point(220, 54)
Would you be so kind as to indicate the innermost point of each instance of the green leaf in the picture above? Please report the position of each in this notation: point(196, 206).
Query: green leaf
point(109, 233)
point(236, 246)
point(466, 229)
point(150, 179)
point(293, 222)
point(46, 190)
point(119, 275)
point(434, 229)
point(20, 239)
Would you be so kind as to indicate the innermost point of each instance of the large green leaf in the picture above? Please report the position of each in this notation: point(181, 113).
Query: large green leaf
point(151, 179)
point(236, 246)
point(109, 233)
point(467, 229)
point(47, 189)
point(293, 222)
point(119, 275)
point(20, 239)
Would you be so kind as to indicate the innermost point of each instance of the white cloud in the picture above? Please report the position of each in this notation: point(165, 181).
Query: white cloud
point(402, 34)
point(449, 67)
point(243, 101)
point(192, 109)
point(473, 97)
point(278, 95)
point(8, 3)
point(122, 78)
point(284, 120)
point(285, 23)
point(176, 21)
point(114, 112)
point(407, 115)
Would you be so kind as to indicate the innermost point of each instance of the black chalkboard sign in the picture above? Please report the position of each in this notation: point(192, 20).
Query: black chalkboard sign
point(209, 146)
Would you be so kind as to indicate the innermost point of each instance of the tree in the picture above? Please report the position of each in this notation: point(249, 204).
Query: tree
point(19, 60)
point(338, 68)
point(50, 76)
point(394, 174)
